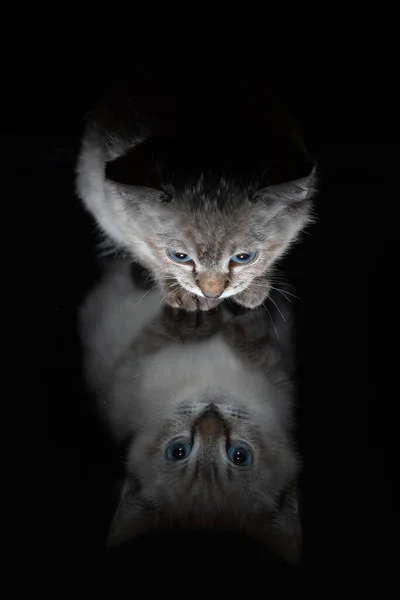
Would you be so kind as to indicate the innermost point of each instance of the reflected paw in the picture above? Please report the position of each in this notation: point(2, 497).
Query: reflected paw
point(181, 298)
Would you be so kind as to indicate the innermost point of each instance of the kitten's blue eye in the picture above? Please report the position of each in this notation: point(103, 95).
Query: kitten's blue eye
point(180, 257)
point(243, 257)
point(240, 455)
point(178, 450)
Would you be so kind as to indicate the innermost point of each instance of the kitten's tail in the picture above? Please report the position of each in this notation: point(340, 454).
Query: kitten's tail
point(112, 129)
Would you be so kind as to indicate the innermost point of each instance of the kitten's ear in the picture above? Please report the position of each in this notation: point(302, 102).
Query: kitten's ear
point(130, 519)
point(293, 192)
point(281, 531)
point(136, 169)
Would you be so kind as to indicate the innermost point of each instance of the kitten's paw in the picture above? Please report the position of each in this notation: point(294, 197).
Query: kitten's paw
point(190, 302)
point(254, 296)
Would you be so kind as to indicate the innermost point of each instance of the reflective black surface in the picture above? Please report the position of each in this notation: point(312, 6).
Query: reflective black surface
point(344, 326)
point(344, 274)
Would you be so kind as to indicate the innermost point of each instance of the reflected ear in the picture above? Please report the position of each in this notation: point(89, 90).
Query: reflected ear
point(131, 518)
point(281, 531)
point(291, 192)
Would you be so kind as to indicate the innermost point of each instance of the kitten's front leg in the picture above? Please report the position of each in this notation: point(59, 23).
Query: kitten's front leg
point(255, 294)
point(178, 297)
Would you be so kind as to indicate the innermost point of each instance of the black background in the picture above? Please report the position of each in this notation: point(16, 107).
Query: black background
point(345, 272)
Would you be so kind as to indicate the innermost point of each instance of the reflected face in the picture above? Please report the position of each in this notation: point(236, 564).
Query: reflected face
point(214, 453)
point(215, 466)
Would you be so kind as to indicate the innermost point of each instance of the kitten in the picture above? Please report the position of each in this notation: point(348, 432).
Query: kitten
point(202, 402)
point(207, 198)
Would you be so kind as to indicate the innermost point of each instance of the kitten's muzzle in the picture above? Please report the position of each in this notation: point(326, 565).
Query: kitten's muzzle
point(213, 287)
point(210, 423)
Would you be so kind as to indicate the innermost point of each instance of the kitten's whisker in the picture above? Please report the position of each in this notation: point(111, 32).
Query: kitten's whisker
point(174, 293)
point(165, 278)
point(264, 284)
point(260, 286)
point(273, 324)
point(273, 277)
point(149, 276)
point(278, 309)
point(283, 293)
point(145, 294)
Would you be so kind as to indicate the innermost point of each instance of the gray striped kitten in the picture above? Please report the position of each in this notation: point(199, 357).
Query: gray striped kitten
point(207, 194)
point(202, 402)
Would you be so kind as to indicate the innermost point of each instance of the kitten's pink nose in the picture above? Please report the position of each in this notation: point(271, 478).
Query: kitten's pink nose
point(210, 424)
point(212, 287)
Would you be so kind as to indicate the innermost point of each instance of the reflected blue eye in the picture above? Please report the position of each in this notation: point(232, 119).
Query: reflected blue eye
point(178, 450)
point(243, 257)
point(180, 257)
point(240, 455)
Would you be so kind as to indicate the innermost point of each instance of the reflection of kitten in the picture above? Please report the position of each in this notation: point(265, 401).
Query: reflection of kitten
point(206, 202)
point(203, 403)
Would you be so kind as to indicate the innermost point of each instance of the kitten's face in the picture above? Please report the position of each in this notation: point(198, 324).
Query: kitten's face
point(213, 464)
point(217, 253)
point(214, 244)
